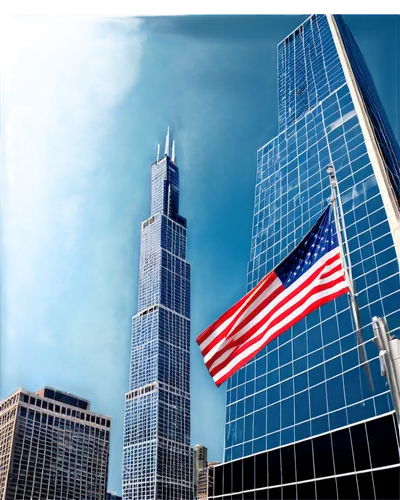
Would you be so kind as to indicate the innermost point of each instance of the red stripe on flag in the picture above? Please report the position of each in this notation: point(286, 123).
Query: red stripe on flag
point(253, 294)
point(248, 334)
point(244, 361)
point(273, 319)
point(233, 328)
point(288, 298)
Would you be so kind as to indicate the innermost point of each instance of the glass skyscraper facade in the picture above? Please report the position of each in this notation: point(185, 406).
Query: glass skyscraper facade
point(52, 447)
point(303, 419)
point(157, 458)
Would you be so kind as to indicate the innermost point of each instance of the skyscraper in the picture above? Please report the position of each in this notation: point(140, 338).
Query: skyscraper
point(52, 446)
point(200, 471)
point(157, 458)
point(203, 473)
point(308, 417)
point(199, 456)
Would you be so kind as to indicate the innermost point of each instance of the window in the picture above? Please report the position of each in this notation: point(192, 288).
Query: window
point(261, 470)
point(323, 460)
point(382, 442)
point(237, 476)
point(288, 464)
point(342, 451)
point(347, 487)
point(360, 447)
point(274, 467)
point(227, 477)
point(387, 483)
point(306, 491)
point(248, 473)
point(326, 489)
point(304, 460)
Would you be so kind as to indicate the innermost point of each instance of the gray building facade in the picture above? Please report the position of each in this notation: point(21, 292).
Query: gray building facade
point(200, 471)
point(52, 447)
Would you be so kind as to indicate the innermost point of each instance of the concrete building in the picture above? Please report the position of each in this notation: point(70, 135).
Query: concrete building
point(203, 473)
point(52, 447)
point(200, 472)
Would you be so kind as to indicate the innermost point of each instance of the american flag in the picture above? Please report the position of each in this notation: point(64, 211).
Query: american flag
point(311, 275)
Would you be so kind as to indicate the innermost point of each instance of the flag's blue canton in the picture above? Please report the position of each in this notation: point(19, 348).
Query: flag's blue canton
point(320, 239)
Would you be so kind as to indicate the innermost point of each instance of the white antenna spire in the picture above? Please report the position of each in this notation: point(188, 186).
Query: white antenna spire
point(173, 151)
point(158, 152)
point(167, 142)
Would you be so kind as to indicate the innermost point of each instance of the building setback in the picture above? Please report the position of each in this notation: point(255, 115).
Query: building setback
point(52, 447)
point(303, 419)
point(157, 458)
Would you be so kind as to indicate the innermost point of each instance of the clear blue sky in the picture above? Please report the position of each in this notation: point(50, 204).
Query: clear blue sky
point(84, 104)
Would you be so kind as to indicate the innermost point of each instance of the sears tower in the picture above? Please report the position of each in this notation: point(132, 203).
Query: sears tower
point(156, 452)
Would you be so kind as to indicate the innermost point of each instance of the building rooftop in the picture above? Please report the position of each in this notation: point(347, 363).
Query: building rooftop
point(64, 397)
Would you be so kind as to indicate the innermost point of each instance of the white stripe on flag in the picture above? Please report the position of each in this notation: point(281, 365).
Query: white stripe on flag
point(245, 312)
point(277, 300)
point(285, 305)
point(274, 285)
point(253, 347)
point(229, 320)
point(299, 296)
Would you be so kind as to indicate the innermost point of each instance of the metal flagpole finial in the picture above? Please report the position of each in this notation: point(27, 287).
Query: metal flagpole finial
point(331, 170)
point(332, 181)
point(332, 175)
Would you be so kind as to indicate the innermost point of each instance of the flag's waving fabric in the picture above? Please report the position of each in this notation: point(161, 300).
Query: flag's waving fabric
point(309, 276)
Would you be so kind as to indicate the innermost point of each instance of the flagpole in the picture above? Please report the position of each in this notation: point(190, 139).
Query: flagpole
point(345, 256)
point(334, 198)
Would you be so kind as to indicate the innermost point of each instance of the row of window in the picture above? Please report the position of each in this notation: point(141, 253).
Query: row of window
point(361, 447)
point(354, 175)
point(7, 403)
point(63, 410)
point(372, 485)
point(57, 462)
point(29, 415)
point(299, 370)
